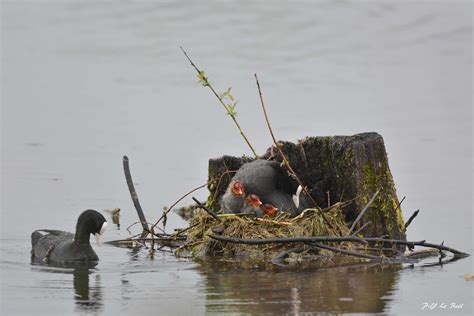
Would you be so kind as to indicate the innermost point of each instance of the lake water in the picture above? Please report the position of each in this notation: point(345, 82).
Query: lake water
point(84, 83)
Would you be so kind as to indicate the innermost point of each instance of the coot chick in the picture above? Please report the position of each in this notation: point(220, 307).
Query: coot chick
point(294, 204)
point(61, 246)
point(270, 210)
point(252, 205)
point(234, 198)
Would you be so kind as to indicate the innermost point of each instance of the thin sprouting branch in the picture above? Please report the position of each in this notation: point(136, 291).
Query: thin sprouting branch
point(359, 217)
point(285, 160)
point(229, 109)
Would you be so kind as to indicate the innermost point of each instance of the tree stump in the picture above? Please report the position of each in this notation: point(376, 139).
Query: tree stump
point(334, 169)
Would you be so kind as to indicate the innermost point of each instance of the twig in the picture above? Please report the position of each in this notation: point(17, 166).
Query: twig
point(130, 226)
point(316, 239)
point(278, 259)
point(133, 224)
point(133, 194)
point(361, 229)
point(422, 243)
point(219, 182)
point(378, 249)
point(412, 217)
point(145, 239)
point(230, 215)
point(185, 230)
point(166, 242)
point(422, 254)
point(285, 160)
point(214, 215)
point(286, 240)
point(350, 253)
point(400, 203)
point(271, 221)
point(175, 203)
point(232, 116)
point(363, 212)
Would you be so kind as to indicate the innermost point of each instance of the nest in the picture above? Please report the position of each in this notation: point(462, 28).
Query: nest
point(309, 223)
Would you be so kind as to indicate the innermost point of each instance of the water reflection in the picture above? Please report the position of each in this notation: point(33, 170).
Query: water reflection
point(359, 289)
point(87, 296)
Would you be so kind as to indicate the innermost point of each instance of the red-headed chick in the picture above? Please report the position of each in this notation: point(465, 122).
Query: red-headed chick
point(269, 209)
point(234, 198)
point(252, 205)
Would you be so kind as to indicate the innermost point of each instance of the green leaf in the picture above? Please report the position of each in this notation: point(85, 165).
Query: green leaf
point(226, 94)
point(202, 78)
point(230, 107)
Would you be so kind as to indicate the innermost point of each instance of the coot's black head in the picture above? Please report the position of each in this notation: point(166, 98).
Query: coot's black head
point(90, 222)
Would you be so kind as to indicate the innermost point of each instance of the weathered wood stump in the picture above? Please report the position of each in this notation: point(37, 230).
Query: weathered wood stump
point(336, 168)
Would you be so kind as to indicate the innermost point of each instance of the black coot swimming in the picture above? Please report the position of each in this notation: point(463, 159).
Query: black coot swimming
point(61, 246)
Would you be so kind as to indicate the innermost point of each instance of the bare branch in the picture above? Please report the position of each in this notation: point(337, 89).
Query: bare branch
point(412, 217)
point(363, 212)
point(285, 160)
point(134, 195)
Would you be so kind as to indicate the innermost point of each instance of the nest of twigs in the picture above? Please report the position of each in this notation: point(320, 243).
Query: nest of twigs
point(310, 223)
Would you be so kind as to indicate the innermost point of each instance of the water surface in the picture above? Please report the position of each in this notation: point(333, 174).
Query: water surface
point(84, 83)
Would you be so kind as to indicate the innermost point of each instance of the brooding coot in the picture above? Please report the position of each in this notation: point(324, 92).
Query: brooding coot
point(262, 177)
point(272, 184)
point(61, 246)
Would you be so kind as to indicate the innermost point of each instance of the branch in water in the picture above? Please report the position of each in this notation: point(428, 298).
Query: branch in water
point(134, 195)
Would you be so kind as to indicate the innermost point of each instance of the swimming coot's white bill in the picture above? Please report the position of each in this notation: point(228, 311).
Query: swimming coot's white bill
point(60, 246)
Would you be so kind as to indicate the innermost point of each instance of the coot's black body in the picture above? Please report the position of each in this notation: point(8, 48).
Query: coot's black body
point(271, 182)
point(263, 177)
point(61, 246)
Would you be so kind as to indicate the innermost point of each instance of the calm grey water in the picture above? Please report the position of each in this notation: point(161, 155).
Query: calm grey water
point(84, 83)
